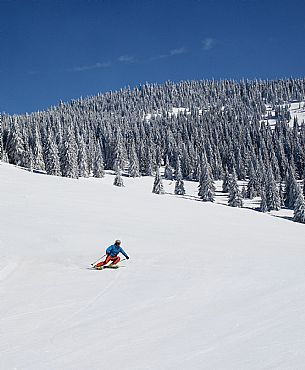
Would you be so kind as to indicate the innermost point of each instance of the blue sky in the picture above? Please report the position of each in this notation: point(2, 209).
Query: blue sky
point(54, 50)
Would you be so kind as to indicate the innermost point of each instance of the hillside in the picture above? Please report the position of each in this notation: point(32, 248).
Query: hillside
point(207, 286)
point(237, 125)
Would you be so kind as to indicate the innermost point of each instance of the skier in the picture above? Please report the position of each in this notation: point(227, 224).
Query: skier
point(112, 255)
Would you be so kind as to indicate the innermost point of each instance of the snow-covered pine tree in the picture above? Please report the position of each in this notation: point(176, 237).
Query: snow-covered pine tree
point(275, 165)
point(260, 172)
point(291, 189)
point(179, 186)
point(28, 158)
point(31, 161)
point(235, 198)
point(263, 205)
point(206, 183)
point(15, 146)
point(225, 182)
point(244, 192)
point(185, 162)
point(119, 155)
point(147, 162)
point(98, 164)
point(38, 161)
point(52, 164)
point(272, 194)
point(82, 158)
point(91, 144)
point(252, 186)
point(134, 168)
point(158, 156)
point(196, 168)
point(281, 194)
point(299, 208)
point(118, 180)
point(240, 169)
point(168, 171)
point(68, 158)
point(158, 184)
point(4, 157)
point(218, 165)
point(1, 139)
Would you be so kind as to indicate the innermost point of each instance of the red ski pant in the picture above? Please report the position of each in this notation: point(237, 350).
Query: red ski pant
point(114, 260)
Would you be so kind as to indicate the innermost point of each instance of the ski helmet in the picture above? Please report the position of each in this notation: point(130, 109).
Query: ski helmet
point(117, 242)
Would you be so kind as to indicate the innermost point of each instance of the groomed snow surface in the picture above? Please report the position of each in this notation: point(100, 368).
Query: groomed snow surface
point(206, 287)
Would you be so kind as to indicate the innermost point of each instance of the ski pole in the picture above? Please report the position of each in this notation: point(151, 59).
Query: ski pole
point(93, 263)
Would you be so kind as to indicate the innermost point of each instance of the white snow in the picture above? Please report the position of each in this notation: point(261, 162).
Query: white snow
point(207, 286)
point(174, 112)
point(297, 109)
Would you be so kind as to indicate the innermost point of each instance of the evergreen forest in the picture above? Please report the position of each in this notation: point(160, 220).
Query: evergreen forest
point(198, 130)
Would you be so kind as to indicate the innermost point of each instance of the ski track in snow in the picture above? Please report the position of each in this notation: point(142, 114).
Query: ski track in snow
point(34, 312)
point(8, 269)
point(94, 299)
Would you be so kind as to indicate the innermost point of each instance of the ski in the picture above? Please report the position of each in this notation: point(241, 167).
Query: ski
point(106, 267)
point(111, 267)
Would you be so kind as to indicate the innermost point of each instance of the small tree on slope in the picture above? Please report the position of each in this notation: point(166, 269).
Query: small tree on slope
point(52, 164)
point(206, 183)
point(244, 192)
point(158, 184)
point(69, 163)
point(118, 181)
point(179, 187)
point(225, 183)
point(299, 209)
point(82, 159)
point(98, 164)
point(134, 168)
point(168, 171)
point(15, 145)
point(252, 187)
point(235, 198)
point(272, 194)
point(281, 194)
point(291, 189)
point(38, 162)
point(263, 205)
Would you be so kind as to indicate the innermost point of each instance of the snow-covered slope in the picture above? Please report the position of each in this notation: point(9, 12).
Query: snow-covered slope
point(207, 286)
point(297, 110)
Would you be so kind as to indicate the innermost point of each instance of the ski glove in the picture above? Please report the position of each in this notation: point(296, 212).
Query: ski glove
point(127, 258)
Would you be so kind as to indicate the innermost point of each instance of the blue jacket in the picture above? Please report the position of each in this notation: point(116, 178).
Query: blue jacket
point(114, 250)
